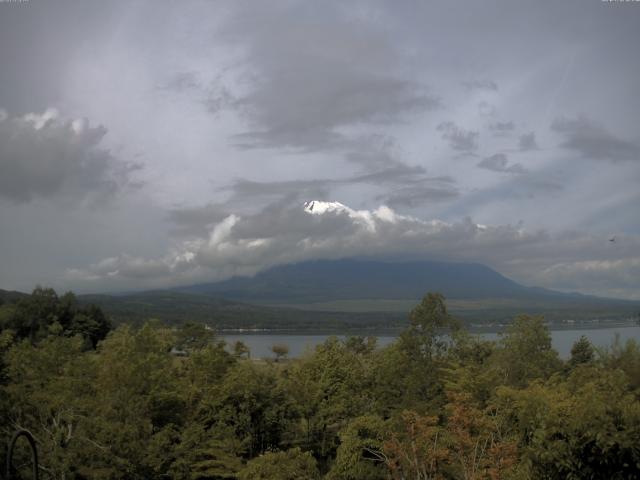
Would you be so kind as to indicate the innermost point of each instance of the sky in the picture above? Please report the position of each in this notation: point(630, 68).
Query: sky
point(150, 144)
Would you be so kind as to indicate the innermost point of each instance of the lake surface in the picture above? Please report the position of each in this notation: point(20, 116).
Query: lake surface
point(260, 343)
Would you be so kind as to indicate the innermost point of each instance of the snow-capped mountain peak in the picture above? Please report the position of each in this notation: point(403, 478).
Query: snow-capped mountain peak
point(362, 217)
point(318, 207)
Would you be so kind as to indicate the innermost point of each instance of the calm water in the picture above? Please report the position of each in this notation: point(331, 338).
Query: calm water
point(260, 343)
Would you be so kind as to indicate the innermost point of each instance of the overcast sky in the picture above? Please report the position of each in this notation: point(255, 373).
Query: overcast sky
point(155, 143)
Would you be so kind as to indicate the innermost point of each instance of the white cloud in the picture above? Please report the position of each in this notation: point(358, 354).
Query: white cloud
point(348, 99)
point(325, 230)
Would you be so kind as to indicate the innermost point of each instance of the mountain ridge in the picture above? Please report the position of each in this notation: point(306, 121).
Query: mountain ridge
point(328, 280)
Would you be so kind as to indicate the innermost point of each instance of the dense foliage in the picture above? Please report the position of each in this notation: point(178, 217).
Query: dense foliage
point(154, 402)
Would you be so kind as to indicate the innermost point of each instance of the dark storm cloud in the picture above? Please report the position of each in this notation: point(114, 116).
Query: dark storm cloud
point(374, 151)
point(592, 140)
point(249, 190)
point(39, 42)
point(44, 156)
point(395, 173)
point(527, 141)
point(313, 71)
point(499, 163)
point(196, 220)
point(459, 138)
point(481, 85)
point(300, 100)
point(410, 186)
point(415, 196)
point(295, 113)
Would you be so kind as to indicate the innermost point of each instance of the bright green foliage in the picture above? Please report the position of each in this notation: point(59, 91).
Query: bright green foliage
point(396, 384)
point(252, 403)
point(203, 453)
point(471, 368)
point(142, 397)
point(202, 372)
point(427, 406)
point(409, 373)
point(47, 394)
point(330, 387)
point(526, 353)
point(360, 455)
point(586, 427)
point(292, 464)
point(427, 320)
point(626, 358)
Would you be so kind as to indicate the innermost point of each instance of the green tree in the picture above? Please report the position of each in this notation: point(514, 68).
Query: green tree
point(330, 387)
point(361, 345)
point(205, 453)
point(280, 350)
point(193, 336)
point(141, 402)
point(625, 357)
point(582, 352)
point(43, 313)
point(470, 369)
point(293, 464)
point(360, 455)
point(34, 314)
point(91, 323)
point(240, 350)
point(254, 404)
point(409, 373)
point(525, 352)
point(416, 448)
point(47, 391)
point(477, 441)
point(202, 372)
point(427, 322)
point(587, 426)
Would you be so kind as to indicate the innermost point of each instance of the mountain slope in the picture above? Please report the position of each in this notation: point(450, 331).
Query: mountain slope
point(11, 296)
point(331, 280)
point(175, 308)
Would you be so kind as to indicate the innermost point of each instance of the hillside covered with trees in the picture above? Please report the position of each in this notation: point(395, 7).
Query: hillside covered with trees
point(106, 403)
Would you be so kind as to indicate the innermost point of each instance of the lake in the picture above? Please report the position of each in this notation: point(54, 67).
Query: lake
point(260, 343)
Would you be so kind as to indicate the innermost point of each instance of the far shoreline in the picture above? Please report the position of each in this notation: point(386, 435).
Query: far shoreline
point(391, 331)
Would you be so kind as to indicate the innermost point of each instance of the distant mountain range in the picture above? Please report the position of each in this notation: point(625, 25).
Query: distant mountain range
point(11, 296)
point(175, 308)
point(331, 280)
point(357, 294)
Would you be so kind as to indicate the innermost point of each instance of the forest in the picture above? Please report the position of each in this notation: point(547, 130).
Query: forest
point(157, 402)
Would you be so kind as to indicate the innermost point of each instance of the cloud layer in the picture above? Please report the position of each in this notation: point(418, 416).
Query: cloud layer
point(242, 111)
point(592, 141)
point(280, 234)
point(43, 155)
